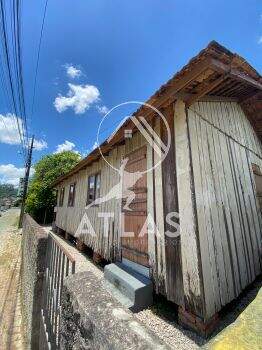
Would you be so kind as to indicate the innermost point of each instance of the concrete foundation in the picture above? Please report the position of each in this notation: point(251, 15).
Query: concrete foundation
point(194, 323)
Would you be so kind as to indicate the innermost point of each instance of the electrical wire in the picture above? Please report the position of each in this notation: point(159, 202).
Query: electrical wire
point(11, 72)
point(38, 57)
point(11, 68)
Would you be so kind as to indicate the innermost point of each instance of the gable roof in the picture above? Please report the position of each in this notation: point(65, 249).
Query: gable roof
point(214, 72)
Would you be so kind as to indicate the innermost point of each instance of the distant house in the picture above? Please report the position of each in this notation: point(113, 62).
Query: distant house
point(6, 203)
point(211, 176)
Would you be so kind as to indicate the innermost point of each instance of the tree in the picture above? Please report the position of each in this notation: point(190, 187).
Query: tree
point(7, 191)
point(41, 196)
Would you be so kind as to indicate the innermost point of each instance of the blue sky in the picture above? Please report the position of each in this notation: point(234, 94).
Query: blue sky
point(112, 51)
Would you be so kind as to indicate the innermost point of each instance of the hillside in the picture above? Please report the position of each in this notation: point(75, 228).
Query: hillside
point(7, 191)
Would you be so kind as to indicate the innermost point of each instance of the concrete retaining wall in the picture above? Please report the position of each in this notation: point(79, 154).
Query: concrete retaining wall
point(92, 319)
point(34, 243)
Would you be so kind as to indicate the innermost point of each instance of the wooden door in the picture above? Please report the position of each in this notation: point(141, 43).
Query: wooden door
point(135, 247)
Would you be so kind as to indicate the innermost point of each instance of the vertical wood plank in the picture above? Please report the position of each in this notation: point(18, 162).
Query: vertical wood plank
point(193, 290)
point(174, 277)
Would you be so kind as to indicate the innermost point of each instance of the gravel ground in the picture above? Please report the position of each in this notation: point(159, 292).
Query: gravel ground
point(8, 223)
point(159, 319)
point(169, 330)
point(11, 326)
point(162, 317)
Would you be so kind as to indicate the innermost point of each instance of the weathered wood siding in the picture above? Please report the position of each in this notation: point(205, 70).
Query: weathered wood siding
point(190, 250)
point(173, 262)
point(69, 218)
point(207, 177)
point(223, 146)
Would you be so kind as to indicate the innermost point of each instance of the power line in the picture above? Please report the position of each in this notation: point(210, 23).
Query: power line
point(13, 73)
point(30, 150)
point(18, 55)
point(38, 57)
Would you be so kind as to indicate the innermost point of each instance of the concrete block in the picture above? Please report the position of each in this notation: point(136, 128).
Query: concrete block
point(131, 289)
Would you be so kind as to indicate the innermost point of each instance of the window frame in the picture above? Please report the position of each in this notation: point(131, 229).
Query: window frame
point(61, 197)
point(56, 197)
point(257, 174)
point(94, 189)
point(71, 201)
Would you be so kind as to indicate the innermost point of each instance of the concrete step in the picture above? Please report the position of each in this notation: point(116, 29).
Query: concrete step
point(131, 289)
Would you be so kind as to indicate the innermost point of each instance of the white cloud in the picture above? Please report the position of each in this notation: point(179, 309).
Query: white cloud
point(39, 145)
point(10, 174)
point(79, 98)
point(95, 145)
point(102, 109)
point(66, 146)
point(9, 132)
point(260, 40)
point(9, 129)
point(72, 71)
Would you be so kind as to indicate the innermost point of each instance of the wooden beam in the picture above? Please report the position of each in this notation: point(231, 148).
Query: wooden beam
point(205, 90)
point(257, 96)
point(218, 99)
point(241, 77)
point(234, 73)
point(173, 94)
point(206, 98)
point(173, 90)
point(190, 76)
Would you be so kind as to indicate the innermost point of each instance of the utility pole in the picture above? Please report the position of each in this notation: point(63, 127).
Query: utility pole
point(27, 173)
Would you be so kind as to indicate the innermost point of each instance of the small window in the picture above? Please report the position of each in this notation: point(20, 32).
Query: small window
point(93, 191)
point(97, 186)
point(71, 196)
point(61, 197)
point(258, 183)
point(56, 196)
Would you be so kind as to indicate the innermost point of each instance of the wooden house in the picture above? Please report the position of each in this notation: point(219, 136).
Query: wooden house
point(211, 176)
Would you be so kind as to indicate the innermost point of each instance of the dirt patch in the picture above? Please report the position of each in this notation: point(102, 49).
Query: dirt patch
point(11, 327)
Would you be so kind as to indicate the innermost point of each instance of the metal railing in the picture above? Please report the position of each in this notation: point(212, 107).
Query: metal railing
point(59, 264)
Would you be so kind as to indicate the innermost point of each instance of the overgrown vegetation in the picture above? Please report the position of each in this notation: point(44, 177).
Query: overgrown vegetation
point(7, 191)
point(41, 197)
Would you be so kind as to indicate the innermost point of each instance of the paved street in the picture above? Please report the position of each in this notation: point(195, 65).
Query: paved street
point(11, 330)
